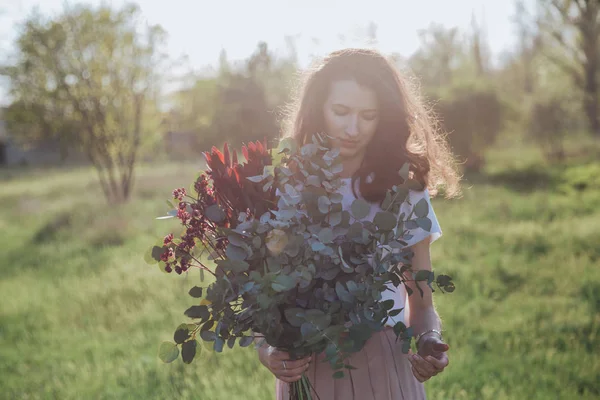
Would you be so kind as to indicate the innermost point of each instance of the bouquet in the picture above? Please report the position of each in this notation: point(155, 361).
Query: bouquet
point(287, 264)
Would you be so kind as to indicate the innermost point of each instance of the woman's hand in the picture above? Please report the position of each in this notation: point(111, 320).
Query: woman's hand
point(280, 365)
point(431, 358)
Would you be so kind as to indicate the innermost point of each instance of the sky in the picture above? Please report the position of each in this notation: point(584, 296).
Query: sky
point(200, 29)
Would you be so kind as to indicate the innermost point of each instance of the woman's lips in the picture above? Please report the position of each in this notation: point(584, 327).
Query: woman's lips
point(348, 143)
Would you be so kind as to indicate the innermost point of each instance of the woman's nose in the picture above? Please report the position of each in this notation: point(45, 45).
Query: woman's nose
point(352, 127)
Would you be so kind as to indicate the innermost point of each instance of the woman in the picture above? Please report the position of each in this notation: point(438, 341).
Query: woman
point(359, 98)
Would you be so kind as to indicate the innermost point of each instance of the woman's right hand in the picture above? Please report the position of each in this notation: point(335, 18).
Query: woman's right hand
point(280, 365)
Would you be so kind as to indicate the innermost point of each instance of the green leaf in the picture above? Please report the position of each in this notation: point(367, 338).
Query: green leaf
point(336, 198)
point(237, 266)
point(411, 224)
point(395, 312)
point(290, 190)
point(214, 213)
point(387, 304)
point(326, 235)
point(273, 264)
point(337, 168)
point(352, 286)
point(287, 144)
point(245, 341)
point(449, 288)
point(181, 335)
point(208, 336)
point(387, 201)
point(283, 283)
point(231, 341)
point(399, 328)
point(342, 293)
point(421, 208)
point(422, 275)
point(256, 178)
point(196, 292)
point(236, 253)
point(197, 312)
point(335, 218)
point(256, 242)
point(157, 252)
point(404, 171)
point(168, 352)
point(331, 350)
point(295, 316)
point(188, 351)
point(236, 240)
point(385, 220)
point(406, 346)
point(324, 204)
point(309, 150)
point(355, 230)
point(307, 330)
point(424, 223)
point(413, 184)
point(313, 180)
point(318, 318)
point(443, 280)
point(360, 208)
point(317, 246)
point(345, 266)
point(338, 375)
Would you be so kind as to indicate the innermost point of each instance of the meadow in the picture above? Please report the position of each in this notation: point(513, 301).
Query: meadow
point(82, 315)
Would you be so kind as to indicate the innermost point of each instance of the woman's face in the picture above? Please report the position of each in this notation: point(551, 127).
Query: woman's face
point(351, 116)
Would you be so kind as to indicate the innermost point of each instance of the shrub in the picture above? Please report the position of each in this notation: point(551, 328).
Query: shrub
point(472, 115)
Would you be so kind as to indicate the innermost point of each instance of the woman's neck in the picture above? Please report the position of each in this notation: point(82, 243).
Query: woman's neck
point(351, 165)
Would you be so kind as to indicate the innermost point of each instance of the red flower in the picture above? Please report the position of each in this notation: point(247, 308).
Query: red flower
point(232, 191)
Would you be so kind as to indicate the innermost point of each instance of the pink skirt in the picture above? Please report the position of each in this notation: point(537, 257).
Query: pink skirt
point(383, 373)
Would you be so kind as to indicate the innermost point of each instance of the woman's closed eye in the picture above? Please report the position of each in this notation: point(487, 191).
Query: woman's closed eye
point(369, 115)
point(340, 110)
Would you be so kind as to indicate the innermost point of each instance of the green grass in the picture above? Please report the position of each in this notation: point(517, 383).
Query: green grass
point(82, 315)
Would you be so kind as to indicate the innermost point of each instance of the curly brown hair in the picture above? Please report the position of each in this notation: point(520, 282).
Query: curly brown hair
point(407, 130)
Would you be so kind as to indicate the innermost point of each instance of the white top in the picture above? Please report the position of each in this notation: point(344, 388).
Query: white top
point(398, 294)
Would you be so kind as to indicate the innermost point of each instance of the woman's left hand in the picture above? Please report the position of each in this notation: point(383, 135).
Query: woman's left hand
point(431, 358)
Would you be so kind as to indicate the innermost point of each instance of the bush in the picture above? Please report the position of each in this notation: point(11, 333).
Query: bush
point(473, 117)
point(549, 122)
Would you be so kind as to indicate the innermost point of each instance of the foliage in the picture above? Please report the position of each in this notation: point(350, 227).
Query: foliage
point(441, 55)
point(472, 114)
point(549, 123)
point(80, 321)
point(89, 77)
point(571, 41)
point(291, 264)
point(240, 103)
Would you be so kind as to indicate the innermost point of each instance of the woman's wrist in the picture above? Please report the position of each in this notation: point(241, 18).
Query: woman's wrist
point(427, 333)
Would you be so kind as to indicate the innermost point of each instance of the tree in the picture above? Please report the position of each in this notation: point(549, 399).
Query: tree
point(572, 41)
point(88, 77)
point(479, 48)
point(528, 47)
point(473, 115)
point(441, 53)
point(240, 103)
point(549, 124)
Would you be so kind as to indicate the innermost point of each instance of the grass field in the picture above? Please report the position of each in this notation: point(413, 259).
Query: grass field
point(82, 315)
